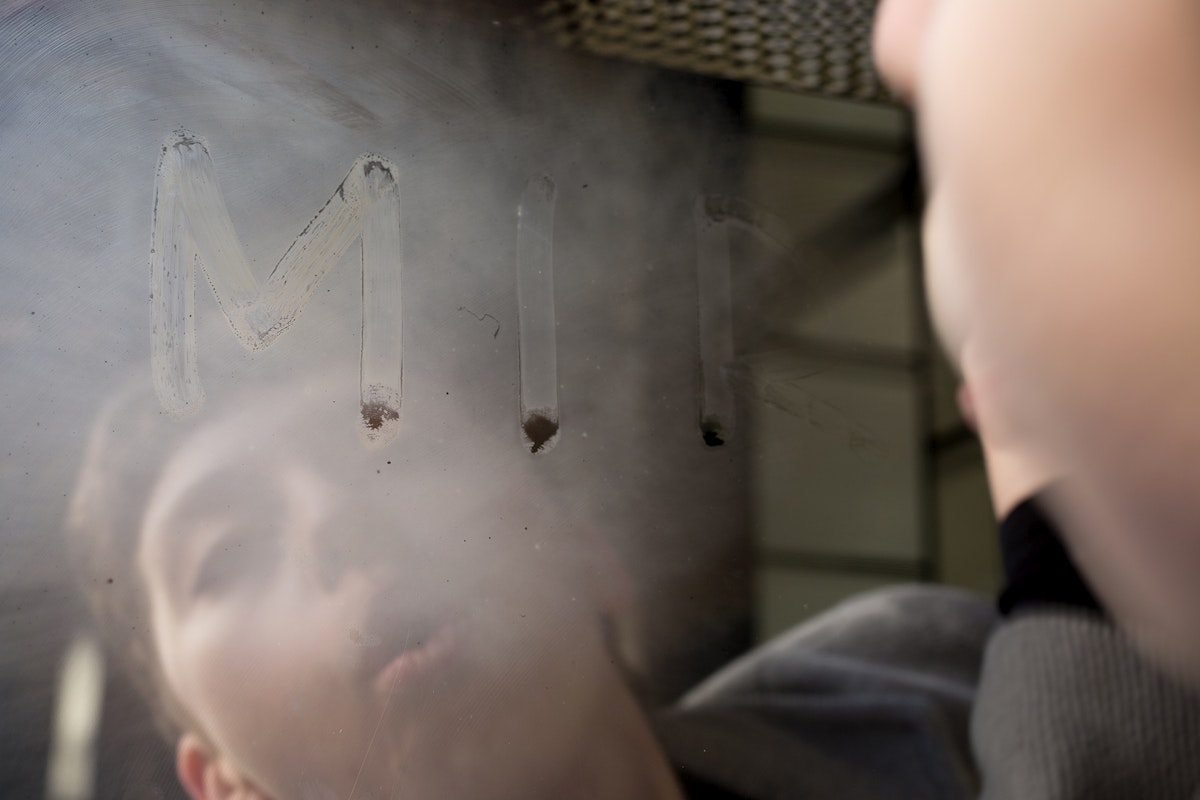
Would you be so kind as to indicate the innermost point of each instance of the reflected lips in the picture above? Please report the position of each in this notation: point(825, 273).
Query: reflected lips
point(412, 662)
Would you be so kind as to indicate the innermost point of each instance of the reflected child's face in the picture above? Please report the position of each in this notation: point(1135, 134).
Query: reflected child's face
point(338, 626)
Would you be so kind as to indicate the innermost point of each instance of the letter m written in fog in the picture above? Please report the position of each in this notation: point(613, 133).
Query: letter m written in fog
point(192, 227)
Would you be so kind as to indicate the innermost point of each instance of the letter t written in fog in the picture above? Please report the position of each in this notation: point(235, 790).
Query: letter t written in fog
point(192, 227)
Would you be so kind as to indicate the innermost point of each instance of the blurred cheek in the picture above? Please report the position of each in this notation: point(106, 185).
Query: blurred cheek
point(897, 41)
point(272, 692)
point(1144, 574)
point(246, 663)
point(946, 284)
point(227, 671)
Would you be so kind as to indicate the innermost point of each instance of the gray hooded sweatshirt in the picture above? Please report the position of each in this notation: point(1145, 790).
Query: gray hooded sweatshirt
point(923, 692)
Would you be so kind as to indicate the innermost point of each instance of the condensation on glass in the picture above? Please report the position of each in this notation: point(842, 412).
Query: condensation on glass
point(407, 362)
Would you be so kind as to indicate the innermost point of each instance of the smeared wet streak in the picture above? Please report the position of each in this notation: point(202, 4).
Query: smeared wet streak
point(536, 334)
point(376, 415)
point(710, 430)
point(714, 320)
point(809, 270)
point(381, 364)
point(540, 430)
point(191, 225)
point(380, 409)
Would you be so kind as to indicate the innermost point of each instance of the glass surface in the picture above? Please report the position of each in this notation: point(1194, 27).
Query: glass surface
point(398, 385)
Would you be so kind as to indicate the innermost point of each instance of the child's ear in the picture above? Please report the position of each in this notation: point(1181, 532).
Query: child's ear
point(207, 776)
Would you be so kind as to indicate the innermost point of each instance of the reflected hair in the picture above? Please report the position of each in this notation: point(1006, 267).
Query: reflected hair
point(130, 441)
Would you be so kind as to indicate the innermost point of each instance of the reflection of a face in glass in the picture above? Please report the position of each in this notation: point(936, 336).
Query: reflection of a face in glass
point(340, 623)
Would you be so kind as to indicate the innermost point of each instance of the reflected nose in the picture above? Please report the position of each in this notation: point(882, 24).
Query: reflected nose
point(335, 543)
point(897, 42)
point(341, 552)
point(359, 538)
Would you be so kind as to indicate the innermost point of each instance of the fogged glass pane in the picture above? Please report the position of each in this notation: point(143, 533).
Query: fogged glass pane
point(786, 597)
point(834, 452)
point(385, 392)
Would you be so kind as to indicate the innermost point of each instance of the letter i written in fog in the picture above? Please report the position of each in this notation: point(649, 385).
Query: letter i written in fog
point(715, 317)
point(535, 315)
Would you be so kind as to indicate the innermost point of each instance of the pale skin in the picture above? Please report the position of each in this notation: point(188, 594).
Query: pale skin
point(1062, 148)
point(279, 611)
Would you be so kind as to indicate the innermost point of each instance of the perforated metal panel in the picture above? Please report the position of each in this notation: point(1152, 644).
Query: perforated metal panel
point(821, 46)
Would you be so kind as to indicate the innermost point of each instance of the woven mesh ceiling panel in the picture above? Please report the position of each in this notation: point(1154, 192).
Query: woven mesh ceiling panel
point(821, 46)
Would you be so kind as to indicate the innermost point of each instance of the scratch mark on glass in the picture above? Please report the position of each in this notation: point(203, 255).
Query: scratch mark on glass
point(782, 386)
point(375, 733)
point(192, 226)
point(482, 317)
point(535, 315)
